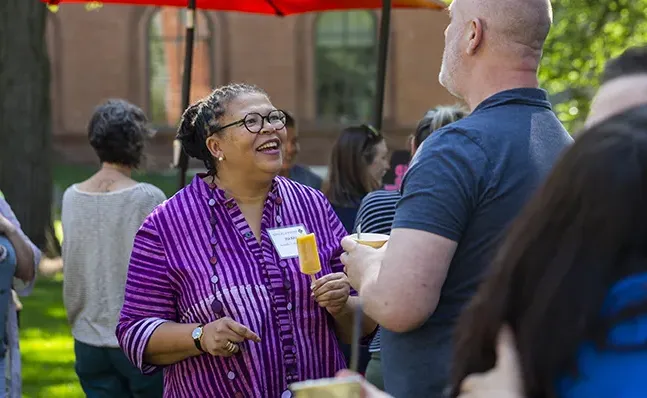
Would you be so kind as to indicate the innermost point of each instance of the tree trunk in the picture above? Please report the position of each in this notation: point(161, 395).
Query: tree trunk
point(25, 115)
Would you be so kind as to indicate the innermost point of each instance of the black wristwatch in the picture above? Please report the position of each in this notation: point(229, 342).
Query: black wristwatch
point(197, 336)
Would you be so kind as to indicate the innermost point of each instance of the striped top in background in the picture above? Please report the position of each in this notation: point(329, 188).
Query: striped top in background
point(196, 260)
point(376, 215)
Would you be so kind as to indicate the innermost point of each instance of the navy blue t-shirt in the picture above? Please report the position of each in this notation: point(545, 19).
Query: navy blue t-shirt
point(466, 183)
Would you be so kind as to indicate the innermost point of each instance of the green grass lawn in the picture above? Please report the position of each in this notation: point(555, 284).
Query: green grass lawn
point(46, 344)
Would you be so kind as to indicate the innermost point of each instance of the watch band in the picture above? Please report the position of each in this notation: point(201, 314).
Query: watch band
point(196, 340)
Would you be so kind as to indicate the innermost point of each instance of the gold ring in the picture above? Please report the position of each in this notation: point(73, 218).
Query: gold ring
point(231, 347)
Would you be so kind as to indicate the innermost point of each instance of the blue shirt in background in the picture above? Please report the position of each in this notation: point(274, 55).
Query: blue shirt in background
point(610, 373)
point(466, 183)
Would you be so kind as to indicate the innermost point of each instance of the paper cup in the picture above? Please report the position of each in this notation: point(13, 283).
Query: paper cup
point(373, 240)
point(346, 387)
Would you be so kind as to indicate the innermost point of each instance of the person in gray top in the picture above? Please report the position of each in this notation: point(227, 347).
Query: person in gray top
point(100, 218)
point(464, 185)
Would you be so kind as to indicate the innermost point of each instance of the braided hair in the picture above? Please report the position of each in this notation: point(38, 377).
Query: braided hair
point(202, 119)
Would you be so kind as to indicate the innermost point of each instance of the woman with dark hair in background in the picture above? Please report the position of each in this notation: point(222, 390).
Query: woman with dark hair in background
point(358, 163)
point(100, 217)
point(378, 210)
point(570, 279)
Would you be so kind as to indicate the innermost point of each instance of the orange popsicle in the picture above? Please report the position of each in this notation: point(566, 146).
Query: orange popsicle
point(308, 255)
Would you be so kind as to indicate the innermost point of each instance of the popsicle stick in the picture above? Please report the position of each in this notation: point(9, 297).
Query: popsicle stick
point(313, 278)
point(357, 335)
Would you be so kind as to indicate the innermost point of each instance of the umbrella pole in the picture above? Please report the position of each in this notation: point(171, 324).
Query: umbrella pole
point(382, 56)
point(182, 159)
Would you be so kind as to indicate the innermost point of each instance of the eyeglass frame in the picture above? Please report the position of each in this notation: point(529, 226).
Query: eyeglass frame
point(263, 119)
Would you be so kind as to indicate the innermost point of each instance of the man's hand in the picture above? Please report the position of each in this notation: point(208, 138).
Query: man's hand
point(360, 261)
point(331, 292)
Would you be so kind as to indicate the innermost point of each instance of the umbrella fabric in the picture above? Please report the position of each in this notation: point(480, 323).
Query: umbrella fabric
point(272, 7)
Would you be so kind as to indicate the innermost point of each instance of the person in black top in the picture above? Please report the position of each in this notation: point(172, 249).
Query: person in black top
point(292, 170)
point(359, 161)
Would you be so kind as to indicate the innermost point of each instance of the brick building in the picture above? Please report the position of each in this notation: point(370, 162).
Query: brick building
point(319, 66)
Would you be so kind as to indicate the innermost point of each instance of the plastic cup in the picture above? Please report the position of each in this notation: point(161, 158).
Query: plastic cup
point(346, 387)
point(373, 240)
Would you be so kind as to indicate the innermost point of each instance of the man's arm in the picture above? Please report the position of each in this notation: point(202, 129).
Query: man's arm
point(400, 285)
point(406, 289)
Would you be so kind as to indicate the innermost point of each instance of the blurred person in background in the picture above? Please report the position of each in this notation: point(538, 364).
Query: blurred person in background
point(569, 280)
point(19, 259)
point(377, 211)
point(100, 217)
point(624, 85)
point(358, 163)
point(291, 169)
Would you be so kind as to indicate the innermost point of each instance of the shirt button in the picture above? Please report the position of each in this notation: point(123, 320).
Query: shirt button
point(214, 279)
point(278, 200)
point(283, 264)
point(216, 306)
point(286, 394)
point(213, 240)
point(212, 202)
point(294, 350)
point(279, 219)
point(213, 220)
point(229, 205)
point(213, 260)
point(248, 235)
point(231, 375)
point(287, 284)
point(289, 306)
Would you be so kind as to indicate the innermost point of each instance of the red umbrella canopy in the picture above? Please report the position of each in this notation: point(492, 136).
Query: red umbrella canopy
point(273, 7)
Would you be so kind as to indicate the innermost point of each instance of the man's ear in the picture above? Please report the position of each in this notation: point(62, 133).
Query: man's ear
point(475, 36)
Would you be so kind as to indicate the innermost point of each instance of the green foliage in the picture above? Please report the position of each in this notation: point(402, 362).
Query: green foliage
point(46, 344)
point(585, 34)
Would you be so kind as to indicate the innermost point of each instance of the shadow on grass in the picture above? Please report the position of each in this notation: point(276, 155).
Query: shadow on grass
point(46, 344)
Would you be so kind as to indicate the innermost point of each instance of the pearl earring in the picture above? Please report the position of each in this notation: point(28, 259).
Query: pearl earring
point(221, 158)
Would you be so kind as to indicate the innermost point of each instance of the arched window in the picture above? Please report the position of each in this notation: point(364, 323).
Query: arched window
point(166, 35)
point(345, 62)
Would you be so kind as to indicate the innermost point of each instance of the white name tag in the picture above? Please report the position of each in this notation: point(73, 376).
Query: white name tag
point(285, 240)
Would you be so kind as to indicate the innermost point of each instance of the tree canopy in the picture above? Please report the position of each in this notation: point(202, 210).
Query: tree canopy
point(585, 34)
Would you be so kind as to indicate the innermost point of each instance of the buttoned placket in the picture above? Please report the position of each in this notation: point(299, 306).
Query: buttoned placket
point(276, 278)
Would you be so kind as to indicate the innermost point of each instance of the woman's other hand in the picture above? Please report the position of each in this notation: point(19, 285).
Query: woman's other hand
point(502, 381)
point(368, 390)
point(331, 292)
point(221, 337)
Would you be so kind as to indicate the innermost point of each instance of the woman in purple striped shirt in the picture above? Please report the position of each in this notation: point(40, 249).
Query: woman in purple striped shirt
point(214, 293)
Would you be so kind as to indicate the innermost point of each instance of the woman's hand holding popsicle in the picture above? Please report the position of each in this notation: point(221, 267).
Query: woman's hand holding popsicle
point(331, 292)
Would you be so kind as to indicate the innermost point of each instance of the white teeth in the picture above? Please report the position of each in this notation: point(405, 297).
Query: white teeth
point(268, 145)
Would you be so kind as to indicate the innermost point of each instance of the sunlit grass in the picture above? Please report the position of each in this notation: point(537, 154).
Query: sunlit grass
point(46, 344)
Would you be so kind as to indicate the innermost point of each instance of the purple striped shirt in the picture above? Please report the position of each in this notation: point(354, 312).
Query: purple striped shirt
point(195, 260)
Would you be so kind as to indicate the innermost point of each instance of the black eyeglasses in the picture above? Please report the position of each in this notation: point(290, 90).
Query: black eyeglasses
point(254, 121)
